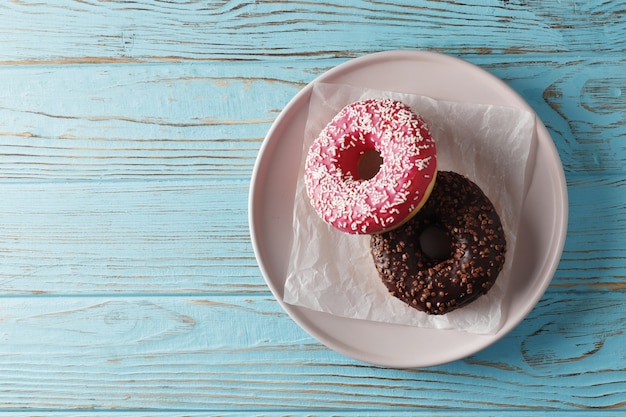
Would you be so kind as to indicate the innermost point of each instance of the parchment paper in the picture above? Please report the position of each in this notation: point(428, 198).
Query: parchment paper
point(333, 272)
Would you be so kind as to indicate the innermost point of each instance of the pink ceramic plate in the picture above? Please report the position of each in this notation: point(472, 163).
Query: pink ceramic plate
point(541, 237)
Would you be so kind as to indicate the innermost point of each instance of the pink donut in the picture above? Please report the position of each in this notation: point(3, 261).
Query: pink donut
point(359, 202)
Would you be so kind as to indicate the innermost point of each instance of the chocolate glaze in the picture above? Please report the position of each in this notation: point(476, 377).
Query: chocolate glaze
point(459, 209)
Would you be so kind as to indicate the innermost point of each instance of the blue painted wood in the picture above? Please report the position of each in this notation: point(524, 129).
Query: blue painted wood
point(126, 237)
point(152, 121)
point(173, 31)
point(128, 132)
point(242, 353)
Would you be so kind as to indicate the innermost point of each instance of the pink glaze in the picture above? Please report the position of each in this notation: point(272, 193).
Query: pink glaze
point(401, 186)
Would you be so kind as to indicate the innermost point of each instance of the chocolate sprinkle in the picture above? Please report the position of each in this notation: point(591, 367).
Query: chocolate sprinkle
point(459, 209)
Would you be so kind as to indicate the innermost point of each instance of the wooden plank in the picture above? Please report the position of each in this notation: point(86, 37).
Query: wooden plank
point(71, 31)
point(189, 236)
point(163, 122)
point(594, 249)
point(112, 122)
point(243, 353)
point(131, 237)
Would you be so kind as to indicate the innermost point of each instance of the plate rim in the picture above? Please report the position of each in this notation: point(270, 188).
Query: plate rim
point(548, 268)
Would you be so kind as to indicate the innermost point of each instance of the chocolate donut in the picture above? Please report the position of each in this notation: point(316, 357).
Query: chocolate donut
point(448, 254)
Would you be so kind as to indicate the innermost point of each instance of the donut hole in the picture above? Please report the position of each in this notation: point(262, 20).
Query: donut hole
point(436, 243)
point(369, 164)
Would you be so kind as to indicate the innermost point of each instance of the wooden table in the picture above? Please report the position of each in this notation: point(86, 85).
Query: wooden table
point(128, 134)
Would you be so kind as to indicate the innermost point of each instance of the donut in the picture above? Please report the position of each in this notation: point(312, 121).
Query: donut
point(448, 254)
point(371, 167)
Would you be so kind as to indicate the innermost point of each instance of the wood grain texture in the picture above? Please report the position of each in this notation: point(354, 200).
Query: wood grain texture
point(219, 354)
point(192, 237)
point(126, 237)
point(131, 32)
point(162, 121)
point(128, 133)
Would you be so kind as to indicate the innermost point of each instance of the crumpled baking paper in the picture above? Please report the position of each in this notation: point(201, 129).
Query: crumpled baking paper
point(333, 272)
